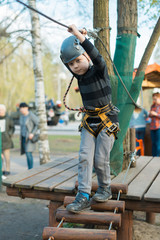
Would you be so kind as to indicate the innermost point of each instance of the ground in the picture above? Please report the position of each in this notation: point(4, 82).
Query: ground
point(24, 219)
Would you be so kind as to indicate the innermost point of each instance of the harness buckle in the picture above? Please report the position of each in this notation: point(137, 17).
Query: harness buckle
point(113, 127)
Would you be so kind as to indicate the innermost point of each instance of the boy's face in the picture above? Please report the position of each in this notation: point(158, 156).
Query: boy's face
point(79, 65)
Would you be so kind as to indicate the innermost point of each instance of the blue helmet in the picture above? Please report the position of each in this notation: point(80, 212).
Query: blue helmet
point(70, 49)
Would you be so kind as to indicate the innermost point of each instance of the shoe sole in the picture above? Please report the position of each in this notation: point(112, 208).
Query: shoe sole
point(72, 211)
point(102, 200)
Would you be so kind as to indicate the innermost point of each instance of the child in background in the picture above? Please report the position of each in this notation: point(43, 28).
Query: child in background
point(139, 121)
point(100, 121)
point(154, 114)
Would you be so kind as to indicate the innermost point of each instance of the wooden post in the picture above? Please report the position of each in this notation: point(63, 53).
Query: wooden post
point(150, 217)
point(125, 231)
point(133, 143)
point(52, 213)
point(129, 146)
point(126, 150)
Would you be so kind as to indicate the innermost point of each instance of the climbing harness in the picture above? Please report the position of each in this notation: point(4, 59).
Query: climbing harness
point(105, 122)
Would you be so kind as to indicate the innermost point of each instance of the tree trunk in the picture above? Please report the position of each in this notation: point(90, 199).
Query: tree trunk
point(101, 23)
point(124, 62)
point(44, 152)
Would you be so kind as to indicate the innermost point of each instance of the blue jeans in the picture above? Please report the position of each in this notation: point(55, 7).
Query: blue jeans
point(155, 137)
point(29, 160)
point(94, 152)
point(28, 154)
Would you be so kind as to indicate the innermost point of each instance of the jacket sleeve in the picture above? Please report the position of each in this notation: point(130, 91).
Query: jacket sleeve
point(35, 121)
point(94, 54)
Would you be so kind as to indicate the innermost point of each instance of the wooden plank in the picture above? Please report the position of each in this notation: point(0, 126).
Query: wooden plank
point(133, 172)
point(67, 186)
point(50, 183)
point(47, 174)
point(11, 180)
point(141, 183)
point(153, 194)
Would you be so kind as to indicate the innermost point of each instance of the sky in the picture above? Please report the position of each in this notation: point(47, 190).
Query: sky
point(69, 12)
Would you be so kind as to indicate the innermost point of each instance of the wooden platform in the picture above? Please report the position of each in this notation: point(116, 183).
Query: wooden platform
point(56, 179)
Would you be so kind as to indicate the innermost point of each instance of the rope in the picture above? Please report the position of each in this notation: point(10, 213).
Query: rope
point(42, 14)
point(82, 109)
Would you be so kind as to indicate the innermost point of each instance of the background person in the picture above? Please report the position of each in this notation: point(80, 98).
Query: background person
point(7, 129)
point(29, 126)
point(154, 114)
point(139, 121)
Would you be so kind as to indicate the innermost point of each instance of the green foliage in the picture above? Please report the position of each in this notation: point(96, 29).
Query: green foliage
point(150, 9)
point(58, 144)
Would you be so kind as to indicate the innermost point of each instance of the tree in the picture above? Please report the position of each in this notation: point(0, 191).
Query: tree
point(44, 152)
point(124, 62)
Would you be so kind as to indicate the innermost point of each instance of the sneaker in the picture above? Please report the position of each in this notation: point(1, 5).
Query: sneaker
point(79, 204)
point(102, 194)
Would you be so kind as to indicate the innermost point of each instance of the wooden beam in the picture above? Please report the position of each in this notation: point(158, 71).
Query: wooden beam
point(110, 205)
point(115, 187)
point(89, 217)
point(144, 206)
point(78, 233)
point(38, 194)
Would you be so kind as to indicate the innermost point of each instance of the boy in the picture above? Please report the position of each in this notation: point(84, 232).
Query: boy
point(100, 122)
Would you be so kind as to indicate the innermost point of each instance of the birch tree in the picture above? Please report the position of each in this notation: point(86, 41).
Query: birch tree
point(44, 152)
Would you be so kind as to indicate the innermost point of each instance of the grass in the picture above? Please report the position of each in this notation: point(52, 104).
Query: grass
point(58, 144)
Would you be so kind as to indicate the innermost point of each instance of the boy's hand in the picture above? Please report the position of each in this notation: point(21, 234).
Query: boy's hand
point(80, 34)
point(73, 29)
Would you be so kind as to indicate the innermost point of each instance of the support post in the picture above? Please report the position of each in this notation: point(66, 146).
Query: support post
point(150, 217)
point(52, 213)
point(126, 229)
